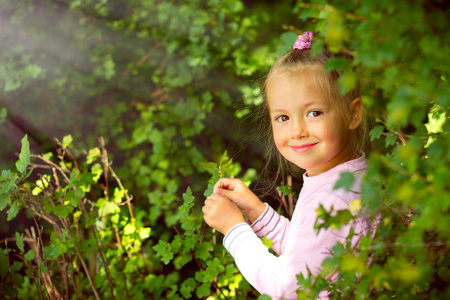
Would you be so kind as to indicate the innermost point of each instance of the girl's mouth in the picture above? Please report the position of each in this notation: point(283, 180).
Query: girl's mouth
point(303, 148)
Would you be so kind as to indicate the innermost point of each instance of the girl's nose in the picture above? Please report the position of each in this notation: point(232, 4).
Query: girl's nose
point(298, 129)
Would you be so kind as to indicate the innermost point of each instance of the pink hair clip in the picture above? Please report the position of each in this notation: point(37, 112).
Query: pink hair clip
point(303, 41)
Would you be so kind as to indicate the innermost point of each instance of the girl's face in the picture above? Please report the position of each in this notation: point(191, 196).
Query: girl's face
point(307, 130)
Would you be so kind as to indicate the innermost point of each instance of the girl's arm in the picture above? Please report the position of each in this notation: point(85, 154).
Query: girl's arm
point(305, 250)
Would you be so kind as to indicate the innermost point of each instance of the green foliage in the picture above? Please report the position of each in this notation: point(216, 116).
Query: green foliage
point(80, 234)
point(24, 156)
point(160, 80)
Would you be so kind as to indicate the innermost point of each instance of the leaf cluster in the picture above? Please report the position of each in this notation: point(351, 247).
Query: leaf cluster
point(81, 224)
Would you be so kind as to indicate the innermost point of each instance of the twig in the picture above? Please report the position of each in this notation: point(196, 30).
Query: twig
point(290, 197)
point(86, 269)
point(125, 279)
point(13, 239)
point(34, 245)
point(66, 276)
point(54, 165)
point(119, 182)
point(105, 165)
point(73, 277)
point(145, 57)
point(46, 278)
point(192, 252)
point(283, 201)
point(9, 264)
point(100, 251)
point(69, 154)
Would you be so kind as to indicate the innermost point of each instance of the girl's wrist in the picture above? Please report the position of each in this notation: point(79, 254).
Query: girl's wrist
point(256, 212)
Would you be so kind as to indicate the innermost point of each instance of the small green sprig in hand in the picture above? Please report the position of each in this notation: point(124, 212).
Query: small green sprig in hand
point(224, 168)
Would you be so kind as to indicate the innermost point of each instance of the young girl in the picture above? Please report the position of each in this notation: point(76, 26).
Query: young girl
point(316, 128)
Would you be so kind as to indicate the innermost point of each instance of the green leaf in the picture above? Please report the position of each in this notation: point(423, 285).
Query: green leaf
point(93, 155)
point(62, 210)
point(74, 196)
point(84, 179)
point(19, 242)
point(67, 141)
point(285, 189)
point(29, 255)
point(202, 250)
point(225, 161)
point(188, 197)
point(287, 39)
point(187, 287)
point(144, 233)
point(346, 181)
point(16, 266)
point(13, 211)
point(24, 156)
point(209, 165)
point(10, 291)
point(89, 246)
point(376, 132)
point(214, 267)
point(55, 250)
point(129, 229)
point(6, 174)
point(337, 63)
point(43, 267)
point(204, 290)
point(164, 250)
point(4, 200)
point(347, 82)
point(17, 279)
point(267, 242)
point(3, 114)
point(106, 207)
point(4, 266)
point(391, 139)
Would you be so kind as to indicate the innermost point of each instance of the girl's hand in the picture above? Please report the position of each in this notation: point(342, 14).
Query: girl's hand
point(221, 214)
point(235, 190)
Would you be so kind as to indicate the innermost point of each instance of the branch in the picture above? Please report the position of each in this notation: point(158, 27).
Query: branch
point(63, 173)
point(108, 165)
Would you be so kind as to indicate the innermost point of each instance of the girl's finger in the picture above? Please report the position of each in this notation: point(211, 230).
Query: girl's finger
point(216, 197)
point(226, 183)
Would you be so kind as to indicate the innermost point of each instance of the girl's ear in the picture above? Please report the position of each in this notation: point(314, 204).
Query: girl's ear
point(356, 113)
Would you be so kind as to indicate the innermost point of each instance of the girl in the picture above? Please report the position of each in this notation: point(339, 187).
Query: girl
point(319, 130)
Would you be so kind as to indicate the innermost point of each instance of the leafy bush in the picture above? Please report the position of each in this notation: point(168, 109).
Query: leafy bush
point(160, 79)
point(85, 240)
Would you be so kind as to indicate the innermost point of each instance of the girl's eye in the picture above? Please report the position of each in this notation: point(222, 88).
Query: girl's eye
point(282, 119)
point(314, 113)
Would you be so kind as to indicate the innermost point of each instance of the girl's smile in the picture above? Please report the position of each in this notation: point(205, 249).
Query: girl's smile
point(303, 148)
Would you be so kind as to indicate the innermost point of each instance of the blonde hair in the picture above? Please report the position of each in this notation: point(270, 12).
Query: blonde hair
point(302, 62)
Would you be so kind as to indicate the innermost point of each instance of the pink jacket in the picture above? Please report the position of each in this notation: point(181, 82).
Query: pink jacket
point(296, 242)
